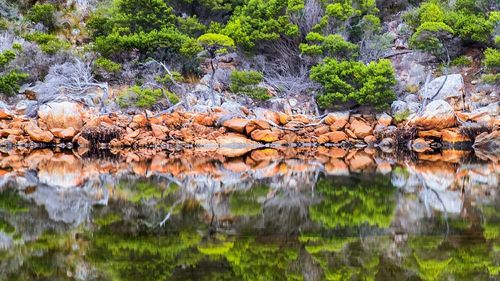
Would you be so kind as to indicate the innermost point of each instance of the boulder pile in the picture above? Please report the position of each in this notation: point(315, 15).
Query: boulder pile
point(69, 124)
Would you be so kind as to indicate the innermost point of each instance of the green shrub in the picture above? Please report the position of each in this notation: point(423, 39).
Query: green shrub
point(354, 82)
point(470, 27)
point(246, 83)
point(145, 98)
point(6, 57)
point(10, 82)
point(461, 61)
point(44, 14)
point(4, 24)
point(104, 64)
point(401, 116)
point(492, 59)
point(493, 79)
point(191, 26)
point(332, 45)
point(431, 37)
point(49, 43)
point(261, 20)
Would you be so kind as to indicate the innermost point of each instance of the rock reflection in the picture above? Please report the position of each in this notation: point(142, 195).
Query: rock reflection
point(302, 214)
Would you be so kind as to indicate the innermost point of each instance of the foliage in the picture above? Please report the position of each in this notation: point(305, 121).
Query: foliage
point(139, 97)
point(332, 45)
point(401, 116)
point(6, 57)
point(461, 61)
point(49, 43)
point(10, 82)
point(353, 206)
point(44, 14)
point(107, 65)
point(355, 82)
point(246, 82)
point(247, 203)
point(492, 59)
point(262, 20)
point(431, 37)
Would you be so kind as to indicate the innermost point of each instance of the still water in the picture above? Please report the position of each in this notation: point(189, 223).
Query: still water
point(273, 214)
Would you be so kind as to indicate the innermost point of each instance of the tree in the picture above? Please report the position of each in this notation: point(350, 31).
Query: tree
point(355, 83)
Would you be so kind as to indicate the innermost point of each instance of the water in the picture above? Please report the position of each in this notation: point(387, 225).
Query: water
point(308, 214)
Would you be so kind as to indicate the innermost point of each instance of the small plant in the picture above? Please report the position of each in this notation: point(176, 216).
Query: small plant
point(103, 64)
point(4, 24)
point(49, 43)
point(492, 59)
point(44, 14)
point(10, 82)
point(6, 57)
point(145, 98)
point(461, 61)
point(246, 83)
point(401, 116)
point(412, 88)
point(493, 79)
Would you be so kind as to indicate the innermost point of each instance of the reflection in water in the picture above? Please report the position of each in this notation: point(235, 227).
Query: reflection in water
point(272, 214)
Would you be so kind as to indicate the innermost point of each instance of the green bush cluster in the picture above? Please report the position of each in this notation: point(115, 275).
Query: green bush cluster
point(48, 43)
point(461, 61)
point(104, 64)
point(332, 45)
point(246, 83)
point(144, 98)
point(6, 57)
point(44, 14)
point(347, 82)
point(10, 82)
point(492, 64)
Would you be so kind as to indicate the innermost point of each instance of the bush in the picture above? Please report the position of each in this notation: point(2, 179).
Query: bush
point(332, 45)
point(49, 43)
point(44, 14)
point(10, 82)
point(492, 59)
point(431, 37)
point(6, 57)
point(354, 82)
point(493, 79)
point(261, 20)
point(103, 64)
point(145, 98)
point(461, 61)
point(246, 83)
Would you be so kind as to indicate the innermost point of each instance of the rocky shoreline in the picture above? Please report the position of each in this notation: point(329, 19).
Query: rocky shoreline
point(69, 124)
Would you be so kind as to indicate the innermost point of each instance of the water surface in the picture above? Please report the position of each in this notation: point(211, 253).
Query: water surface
point(272, 214)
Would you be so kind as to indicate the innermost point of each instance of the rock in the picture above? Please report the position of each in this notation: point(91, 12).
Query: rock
point(62, 115)
point(451, 92)
point(333, 117)
point(236, 124)
point(233, 145)
point(140, 120)
point(384, 119)
point(234, 108)
point(266, 114)
point(36, 134)
point(264, 135)
point(437, 115)
point(430, 133)
point(160, 132)
point(420, 145)
point(453, 135)
point(361, 128)
point(370, 140)
point(410, 69)
point(334, 137)
point(256, 125)
point(399, 107)
point(487, 146)
point(5, 114)
point(65, 134)
point(322, 129)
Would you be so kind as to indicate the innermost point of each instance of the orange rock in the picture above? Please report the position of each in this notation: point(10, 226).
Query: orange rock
point(257, 125)
point(331, 118)
point(36, 134)
point(350, 134)
point(360, 161)
point(301, 119)
point(159, 131)
point(9, 132)
point(337, 152)
point(334, 137)
point(430, 133)
point(453, 135)
point(370, 140)
point(283, 118)
point(266, 114)
point(338, 125)
point(264, 135)
point(67, 133)
point(437, 115)
point(236, 124)
point(321, 130)
point(4, 114)
point(384, 119)
point(361, 128)
point(83, 142)
point(323, 139)
point(62, 115)
point(337, 167)
point(140, 119)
